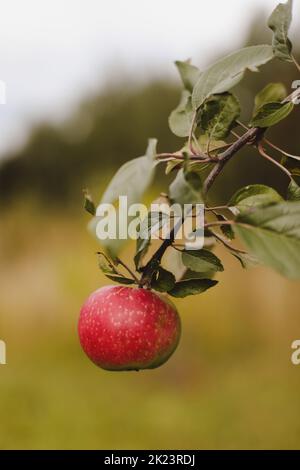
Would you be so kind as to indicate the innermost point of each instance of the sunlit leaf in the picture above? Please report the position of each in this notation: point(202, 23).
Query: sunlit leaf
point(214, 145)
point(273, 92)
point(172, 261)
point(271, 113)
point(189, 74)
point(227, 72)
point(186, 188)
point(253, 196)
point(272, 234)
point(131, 180)
point(293, 193)
point(279, 22)
point(246, 260)
point(180, 120)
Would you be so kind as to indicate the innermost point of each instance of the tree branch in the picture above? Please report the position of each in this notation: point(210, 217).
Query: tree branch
point(251, 136)
point(154, 262)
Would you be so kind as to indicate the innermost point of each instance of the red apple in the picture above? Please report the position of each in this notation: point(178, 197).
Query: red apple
point(124, 328)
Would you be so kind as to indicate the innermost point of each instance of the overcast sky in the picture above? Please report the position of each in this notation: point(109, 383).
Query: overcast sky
point(54, 51)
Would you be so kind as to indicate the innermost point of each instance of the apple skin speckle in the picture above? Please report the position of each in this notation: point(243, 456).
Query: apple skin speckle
point(125, 328)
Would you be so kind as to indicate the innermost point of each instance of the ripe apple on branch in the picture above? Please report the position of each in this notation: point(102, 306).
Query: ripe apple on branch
point(132, 328)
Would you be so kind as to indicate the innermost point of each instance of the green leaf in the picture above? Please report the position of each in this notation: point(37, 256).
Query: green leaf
point(89, 205)
point(214, 145)
point(189, 274)
point(191, 287)
point(106, 265)
point(164, 281)
point(131, 180)
point(271, 113)
point(293, 192)
point(227, 72)
point(246, 260)
point(108, 268)
point(254, 195)
point(180, 120)
point(218, 115)
point(227, 230)
point(201, 261)
point(186, 188)
point(279, 22)
point(273, 92)
point(189, 74)
point(172, 261)
point(272, 234)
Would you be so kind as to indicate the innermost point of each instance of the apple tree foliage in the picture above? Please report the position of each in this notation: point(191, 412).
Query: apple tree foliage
point(256, 217)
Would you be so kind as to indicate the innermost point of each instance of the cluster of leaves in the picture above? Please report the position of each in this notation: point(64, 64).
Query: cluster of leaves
point(208, 111)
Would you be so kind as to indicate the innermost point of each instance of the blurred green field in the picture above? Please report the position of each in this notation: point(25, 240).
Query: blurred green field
point(231, 383)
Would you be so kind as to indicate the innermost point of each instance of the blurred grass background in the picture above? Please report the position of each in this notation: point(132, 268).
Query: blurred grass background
point(231, 383)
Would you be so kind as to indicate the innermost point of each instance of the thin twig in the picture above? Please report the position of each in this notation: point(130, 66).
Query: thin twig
point(216, 208)
point(173, 156)
point(227, 244)
point(235, 134)
point(208, 145)
point(240, 123)
point(219, 222)
point(295, 62)
point(275, 162)
point(275, 147)
point(160, 156)
point(134, 277)
point(190, 139)
point(111, 263)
